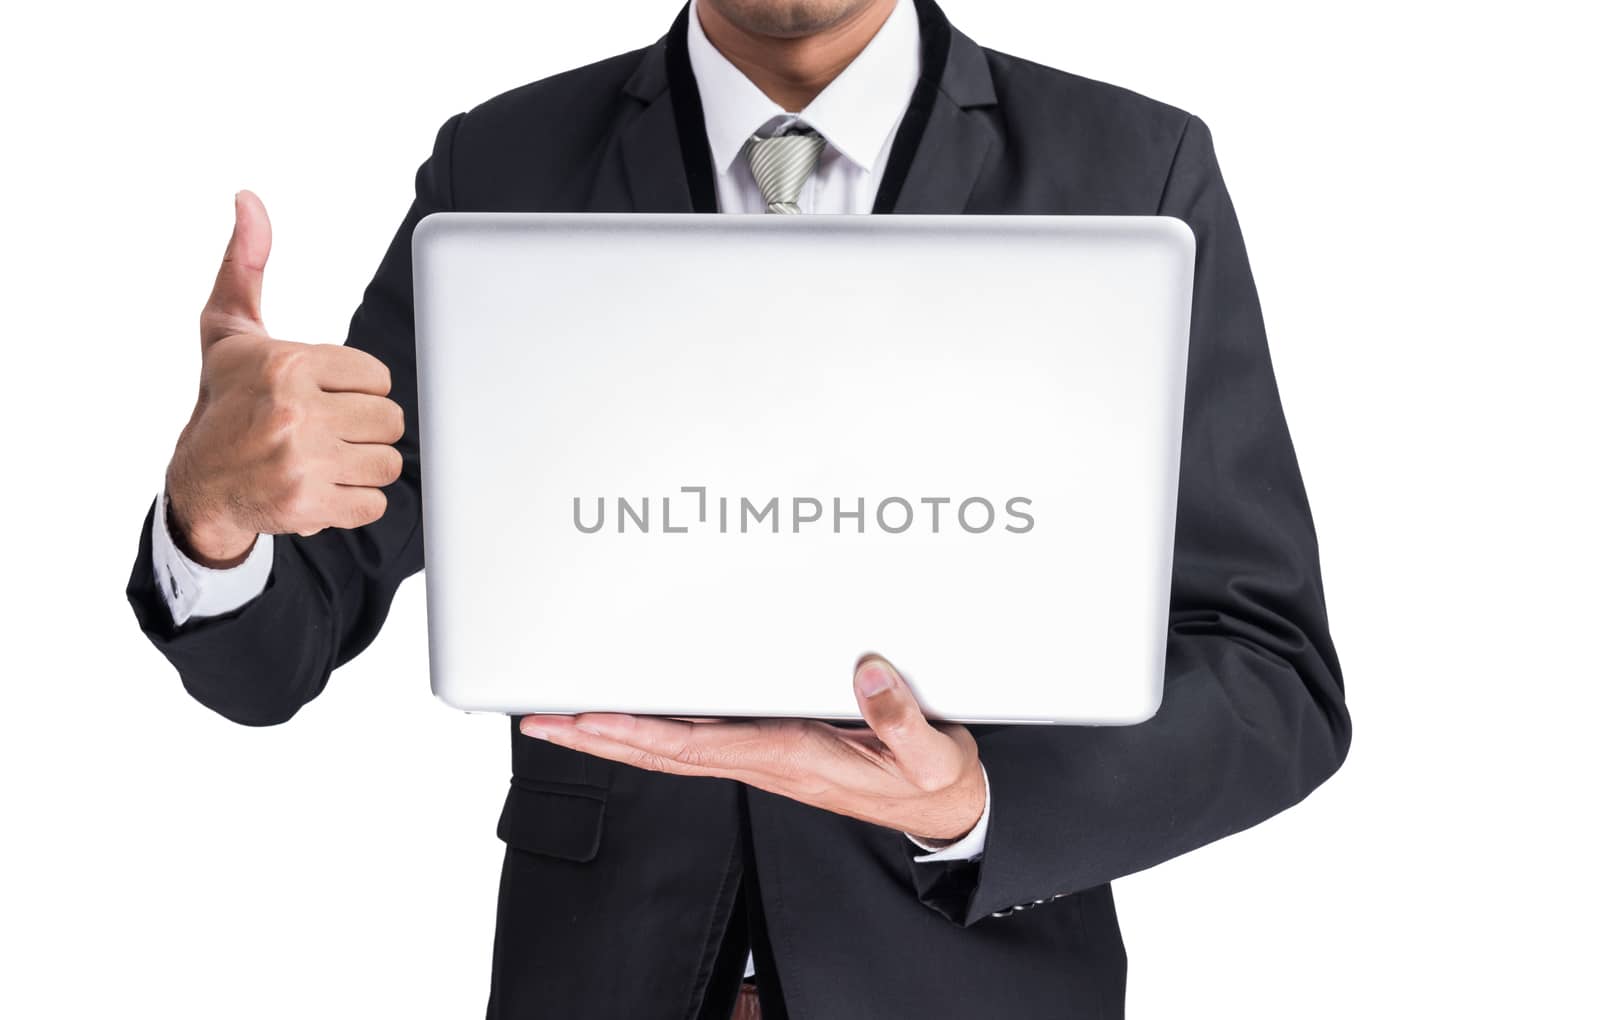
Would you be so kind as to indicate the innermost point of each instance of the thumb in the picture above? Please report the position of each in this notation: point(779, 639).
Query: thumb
point(235, 302)
point(891, 710)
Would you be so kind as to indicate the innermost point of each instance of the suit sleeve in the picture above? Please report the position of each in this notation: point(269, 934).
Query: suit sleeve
point(327, 595)
point(1253, 715)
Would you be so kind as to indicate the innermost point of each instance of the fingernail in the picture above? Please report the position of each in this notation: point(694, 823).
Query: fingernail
point(535, 732)
point(874, 677)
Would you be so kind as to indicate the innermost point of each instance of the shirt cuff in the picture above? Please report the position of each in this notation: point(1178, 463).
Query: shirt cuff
point(968, 847)
point(194, 591)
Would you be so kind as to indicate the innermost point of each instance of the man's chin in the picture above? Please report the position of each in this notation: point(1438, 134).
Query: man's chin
point(788, 19)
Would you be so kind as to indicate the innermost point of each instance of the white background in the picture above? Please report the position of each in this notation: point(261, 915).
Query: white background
point(1416, 182)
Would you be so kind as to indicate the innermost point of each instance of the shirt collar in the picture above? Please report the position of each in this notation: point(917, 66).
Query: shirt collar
point(856, 113)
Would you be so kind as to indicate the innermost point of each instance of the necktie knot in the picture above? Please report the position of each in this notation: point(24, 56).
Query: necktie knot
point(781, 164)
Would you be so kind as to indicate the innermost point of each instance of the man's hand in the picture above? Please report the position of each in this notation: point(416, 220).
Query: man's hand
point(285, 437)
point(902, 772)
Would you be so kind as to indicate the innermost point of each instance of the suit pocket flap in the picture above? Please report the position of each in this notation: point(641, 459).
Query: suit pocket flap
point(562, 823)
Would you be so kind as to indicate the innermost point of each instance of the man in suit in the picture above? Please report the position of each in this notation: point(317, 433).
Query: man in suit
point(905, 870)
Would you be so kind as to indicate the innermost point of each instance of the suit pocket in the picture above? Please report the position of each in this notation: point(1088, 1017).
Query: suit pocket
point(553, 820)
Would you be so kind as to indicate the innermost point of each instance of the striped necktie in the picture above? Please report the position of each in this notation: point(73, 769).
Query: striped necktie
point(781, 164)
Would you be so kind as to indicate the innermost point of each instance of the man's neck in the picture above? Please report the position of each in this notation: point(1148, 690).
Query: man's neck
point(792, 71)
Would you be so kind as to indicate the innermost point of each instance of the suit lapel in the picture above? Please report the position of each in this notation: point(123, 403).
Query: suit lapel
point(955, 145)
point(666, 159)
point(651, 164)
point(944, 139)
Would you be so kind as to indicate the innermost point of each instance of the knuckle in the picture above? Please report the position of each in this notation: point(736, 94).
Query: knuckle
point(212, 324)
point(396, 421)
point(282, 364)
point(219, 324)
point(695, 756)
point(650, 762)
point(281, 416)
point(371, 368)
point(391, 464)
point(368, 510)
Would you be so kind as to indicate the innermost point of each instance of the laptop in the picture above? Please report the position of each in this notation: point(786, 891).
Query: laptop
point(697, 465)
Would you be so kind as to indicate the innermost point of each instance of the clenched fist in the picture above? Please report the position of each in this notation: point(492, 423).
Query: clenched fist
point(285, 438)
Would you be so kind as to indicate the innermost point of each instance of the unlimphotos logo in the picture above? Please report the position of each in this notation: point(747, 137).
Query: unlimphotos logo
point(742, 515)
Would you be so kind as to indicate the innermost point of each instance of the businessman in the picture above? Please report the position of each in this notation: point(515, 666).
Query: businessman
point(652, 865)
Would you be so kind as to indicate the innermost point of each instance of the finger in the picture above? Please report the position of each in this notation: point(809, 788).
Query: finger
point(367, 464)
point(355, 506)
point(774, 747)
point(845, 782)
point(235, 303)
point(364, 418)
point(341, 369)
point(926, 757)
point(564, 730)
point(340, 506)
point(837, 777)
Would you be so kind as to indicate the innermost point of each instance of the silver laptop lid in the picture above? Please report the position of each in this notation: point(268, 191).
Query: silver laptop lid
point(697, 465)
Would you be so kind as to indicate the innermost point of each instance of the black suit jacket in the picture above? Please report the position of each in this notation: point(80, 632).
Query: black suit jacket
point(619, 884)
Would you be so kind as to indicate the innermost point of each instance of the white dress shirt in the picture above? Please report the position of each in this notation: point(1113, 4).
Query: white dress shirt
point(857, 114)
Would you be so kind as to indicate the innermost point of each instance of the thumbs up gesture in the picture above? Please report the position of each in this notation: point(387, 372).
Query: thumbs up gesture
point(286, 438)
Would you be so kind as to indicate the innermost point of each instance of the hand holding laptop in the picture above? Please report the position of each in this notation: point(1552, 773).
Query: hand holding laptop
point(902, 772)
point(286, 438)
